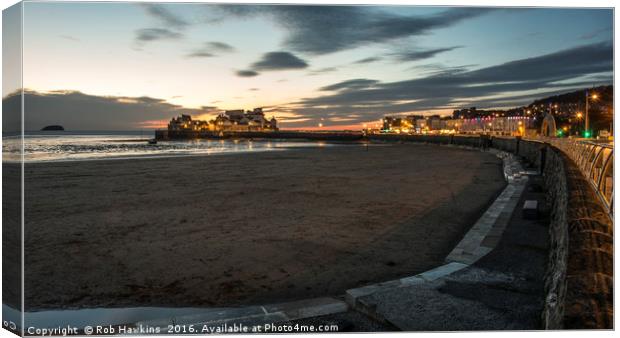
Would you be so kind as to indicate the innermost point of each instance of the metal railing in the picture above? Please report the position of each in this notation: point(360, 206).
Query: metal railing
point(595, 161)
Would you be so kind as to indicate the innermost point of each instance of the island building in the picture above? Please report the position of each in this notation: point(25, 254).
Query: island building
point(228, 121)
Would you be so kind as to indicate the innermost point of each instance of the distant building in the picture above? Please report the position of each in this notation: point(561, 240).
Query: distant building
point(230, 120)
point(493, 123)
point(506, 125)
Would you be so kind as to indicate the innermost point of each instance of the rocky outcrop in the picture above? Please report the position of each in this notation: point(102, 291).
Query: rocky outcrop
point(53, 128)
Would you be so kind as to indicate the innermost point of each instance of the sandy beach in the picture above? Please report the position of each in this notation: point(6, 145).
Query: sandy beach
point(239, 229)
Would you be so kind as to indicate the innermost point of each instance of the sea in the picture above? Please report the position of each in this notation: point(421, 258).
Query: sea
point(108, 145)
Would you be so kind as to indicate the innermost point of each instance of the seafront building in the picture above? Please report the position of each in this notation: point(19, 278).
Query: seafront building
point(516, 122)
point(228, 121)
point(501, 125)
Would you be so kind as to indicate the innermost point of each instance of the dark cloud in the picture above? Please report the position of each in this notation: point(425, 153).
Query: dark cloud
point(368, 60)
point(273, 61)
point(350, 84)
point(279, 61)
point(439, 68)
point(407, 55)
point(152, 34)
point(554, 71)
point(171, 25)
point(565, 64)
point(166, 17)
point(416, 55)
point(246, 73)
point(328, 29)
point(78, 111)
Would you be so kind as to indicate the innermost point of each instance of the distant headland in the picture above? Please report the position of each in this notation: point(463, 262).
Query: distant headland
point(53, 128)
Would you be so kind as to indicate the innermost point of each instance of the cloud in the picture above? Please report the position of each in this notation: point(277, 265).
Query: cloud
point(220, 47)
point(78, 111)
point(69, 37)
point(246, 73)
point(172, 25)
point(593, 34)
point(211, 49)
point(322, 71)
point(368, 60)
point(279, 61)
point(273, 61)
point(152, 34)
point(328, 29)
point(350, 84)
point(440, 68)
point(199, 54)
point(445, 89)
point(416, 55)
point(166, 17)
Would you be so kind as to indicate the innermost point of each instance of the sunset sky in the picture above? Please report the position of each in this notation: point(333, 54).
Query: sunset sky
point(129, 65)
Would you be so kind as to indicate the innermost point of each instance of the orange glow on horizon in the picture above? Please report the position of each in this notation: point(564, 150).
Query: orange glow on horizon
point(152, 124)
point(358, 126)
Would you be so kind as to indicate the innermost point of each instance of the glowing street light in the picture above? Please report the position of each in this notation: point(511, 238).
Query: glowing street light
point(587, 133)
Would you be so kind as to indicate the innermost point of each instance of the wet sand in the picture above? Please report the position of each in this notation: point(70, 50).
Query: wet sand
point(239, 229)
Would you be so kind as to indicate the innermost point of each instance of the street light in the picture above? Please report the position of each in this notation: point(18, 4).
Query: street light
point(587, 133)
point(579, 116)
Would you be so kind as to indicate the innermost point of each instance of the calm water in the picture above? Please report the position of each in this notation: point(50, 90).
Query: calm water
point(68, 146)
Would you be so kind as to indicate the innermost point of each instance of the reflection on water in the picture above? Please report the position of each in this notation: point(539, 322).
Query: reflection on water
point(39, 147)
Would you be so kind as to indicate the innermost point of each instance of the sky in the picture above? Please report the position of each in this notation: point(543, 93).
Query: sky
point(96, 66)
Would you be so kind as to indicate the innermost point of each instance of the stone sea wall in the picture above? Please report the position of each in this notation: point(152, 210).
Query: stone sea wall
point(579, 276)
point(580, 272)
